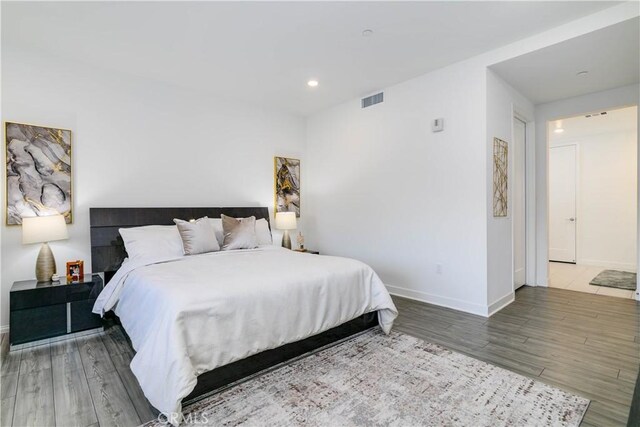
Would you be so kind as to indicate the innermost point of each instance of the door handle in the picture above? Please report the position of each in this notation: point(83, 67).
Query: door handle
point(572, 219)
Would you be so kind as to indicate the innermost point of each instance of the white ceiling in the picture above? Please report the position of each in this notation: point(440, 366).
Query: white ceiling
point(611, 55)
point(264, 52)
point(619, 120)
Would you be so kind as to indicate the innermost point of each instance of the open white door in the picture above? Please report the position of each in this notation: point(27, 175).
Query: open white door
point(519, 230)
point(562, 203)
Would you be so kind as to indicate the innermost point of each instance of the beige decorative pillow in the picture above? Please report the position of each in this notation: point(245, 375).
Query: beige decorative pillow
point(197, 236)
point(239, 233)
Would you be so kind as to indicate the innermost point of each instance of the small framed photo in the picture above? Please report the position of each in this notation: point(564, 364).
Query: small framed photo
point(75, 271)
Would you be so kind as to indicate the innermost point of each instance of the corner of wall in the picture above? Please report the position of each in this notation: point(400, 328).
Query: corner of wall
point(500, 303)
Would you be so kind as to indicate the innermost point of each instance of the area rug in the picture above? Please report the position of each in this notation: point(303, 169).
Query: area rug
point(394, 380)
point(615, 279)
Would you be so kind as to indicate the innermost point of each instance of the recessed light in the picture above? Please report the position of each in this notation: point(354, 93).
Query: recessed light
point(582, 73)
point(367, 33)
point(312, 83)
point(558, 128)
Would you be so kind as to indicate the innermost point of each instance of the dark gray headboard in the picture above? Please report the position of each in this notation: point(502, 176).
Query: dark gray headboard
point(107, 248)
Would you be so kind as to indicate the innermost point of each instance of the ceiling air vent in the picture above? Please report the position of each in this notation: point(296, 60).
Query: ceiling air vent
point(372, 100)
point(604, 113)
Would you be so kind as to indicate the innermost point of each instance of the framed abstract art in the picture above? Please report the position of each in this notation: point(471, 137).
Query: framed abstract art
point(287, 185)
point(500, 178)
point(38, 172)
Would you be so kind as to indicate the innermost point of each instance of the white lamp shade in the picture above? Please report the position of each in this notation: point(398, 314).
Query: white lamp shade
point(39, 229)
point(286, 221)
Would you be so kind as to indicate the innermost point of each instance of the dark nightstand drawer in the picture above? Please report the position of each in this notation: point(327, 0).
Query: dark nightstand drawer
point(82, 318)
point(37, 323)
point(82, 291)
point(37, 298)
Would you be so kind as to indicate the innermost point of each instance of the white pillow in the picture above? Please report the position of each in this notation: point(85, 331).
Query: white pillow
point(216, 223)
point(263, 233)
point(197, 236)
point(152, 242)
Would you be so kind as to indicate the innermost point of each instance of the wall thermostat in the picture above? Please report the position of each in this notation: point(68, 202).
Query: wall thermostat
point(437, 125)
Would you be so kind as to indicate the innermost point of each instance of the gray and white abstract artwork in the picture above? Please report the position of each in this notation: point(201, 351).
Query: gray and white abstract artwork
point(38, 172)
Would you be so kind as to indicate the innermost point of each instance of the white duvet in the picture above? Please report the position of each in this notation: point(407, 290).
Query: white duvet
point(193, 314)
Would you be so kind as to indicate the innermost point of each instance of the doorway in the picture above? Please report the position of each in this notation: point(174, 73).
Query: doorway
point(592, 214)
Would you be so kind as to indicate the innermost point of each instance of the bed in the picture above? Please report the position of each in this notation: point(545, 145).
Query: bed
point(272, 304)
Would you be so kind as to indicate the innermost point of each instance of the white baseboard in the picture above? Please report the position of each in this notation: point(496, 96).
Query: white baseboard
point(608, 264)
point(453, 303)
point(4, 329)
point(501, 303)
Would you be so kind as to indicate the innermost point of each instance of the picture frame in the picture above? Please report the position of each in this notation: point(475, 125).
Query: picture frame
point(75, 271)
point(286, 182)
point(38, 172)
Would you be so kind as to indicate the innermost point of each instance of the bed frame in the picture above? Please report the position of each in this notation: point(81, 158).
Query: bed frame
point(108, 252)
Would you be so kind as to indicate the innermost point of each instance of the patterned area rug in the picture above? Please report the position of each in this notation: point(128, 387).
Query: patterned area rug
point(615, 279)
point(394, 380)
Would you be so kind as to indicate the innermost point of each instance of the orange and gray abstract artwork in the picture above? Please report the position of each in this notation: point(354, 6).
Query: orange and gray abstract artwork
point(287, 185)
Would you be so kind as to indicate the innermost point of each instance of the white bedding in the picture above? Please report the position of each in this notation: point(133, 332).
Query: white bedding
point(190, 315)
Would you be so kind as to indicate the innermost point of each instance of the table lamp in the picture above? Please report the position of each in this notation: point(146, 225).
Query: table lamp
point(286, 221)
point(44, 229)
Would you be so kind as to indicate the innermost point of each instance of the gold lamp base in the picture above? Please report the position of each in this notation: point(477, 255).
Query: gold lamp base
point(45, 264)
point(286, 240)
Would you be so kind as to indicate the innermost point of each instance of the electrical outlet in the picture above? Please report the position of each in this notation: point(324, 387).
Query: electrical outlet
point(439, 268)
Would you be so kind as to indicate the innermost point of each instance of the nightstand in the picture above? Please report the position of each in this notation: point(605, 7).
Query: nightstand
point(307, 251)
point(41, 310)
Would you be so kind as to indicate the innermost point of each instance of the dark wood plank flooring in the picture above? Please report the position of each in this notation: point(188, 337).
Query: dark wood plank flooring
point(583, 343)
point(84, 381)
point(586, 344)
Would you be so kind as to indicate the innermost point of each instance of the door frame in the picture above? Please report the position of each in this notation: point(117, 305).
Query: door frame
point(576, 190)
point(527, 125)
point(529, 196)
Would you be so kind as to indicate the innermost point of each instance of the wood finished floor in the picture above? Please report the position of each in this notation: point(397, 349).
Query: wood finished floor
point(586, 344)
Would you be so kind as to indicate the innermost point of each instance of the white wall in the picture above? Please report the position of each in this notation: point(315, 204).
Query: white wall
point(503, 102)
point(606, 208)
point(599, 101)
point(139, 143)
point(388, 191)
